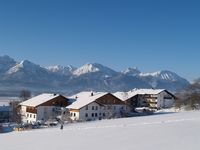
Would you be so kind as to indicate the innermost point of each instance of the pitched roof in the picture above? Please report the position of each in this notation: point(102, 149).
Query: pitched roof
point(126, 95)
point(40, 99)
point(85, 98)
point(122, 95)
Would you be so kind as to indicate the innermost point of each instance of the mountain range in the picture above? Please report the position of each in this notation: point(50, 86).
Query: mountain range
point(25, 75)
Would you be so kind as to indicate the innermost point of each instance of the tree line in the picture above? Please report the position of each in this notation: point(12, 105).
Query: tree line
point(189, 98)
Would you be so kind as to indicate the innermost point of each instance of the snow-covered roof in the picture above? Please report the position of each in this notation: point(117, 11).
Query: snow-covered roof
point(85, 98)
point(121, 95)
point(40, 99)
point(126, 95)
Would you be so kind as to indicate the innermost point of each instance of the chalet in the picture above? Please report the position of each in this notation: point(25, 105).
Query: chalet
point(42, 107)
point(95, 106)
point(152, 98)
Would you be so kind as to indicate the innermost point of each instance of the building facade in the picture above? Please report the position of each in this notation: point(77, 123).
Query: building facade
point(151, 98)
point(95, 106)
point(43, 107)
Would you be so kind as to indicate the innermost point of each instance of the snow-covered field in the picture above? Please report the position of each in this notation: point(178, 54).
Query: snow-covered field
point(172, 131)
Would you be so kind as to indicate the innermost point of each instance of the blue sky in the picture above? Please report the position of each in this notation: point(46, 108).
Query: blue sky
point(149, 34)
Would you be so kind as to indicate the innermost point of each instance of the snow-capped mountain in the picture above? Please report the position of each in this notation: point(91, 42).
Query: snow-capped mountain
point(6, 63)
point(16, 76)
point(163, 75)
point(131, 71)
point(92, 68)
point(62, 70)
point(26, 70)
point(161, 79)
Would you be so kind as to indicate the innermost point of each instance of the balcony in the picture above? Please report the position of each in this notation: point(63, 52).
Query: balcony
point(31, 110)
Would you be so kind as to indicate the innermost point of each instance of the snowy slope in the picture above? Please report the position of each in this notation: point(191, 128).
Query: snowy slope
point(175, 131)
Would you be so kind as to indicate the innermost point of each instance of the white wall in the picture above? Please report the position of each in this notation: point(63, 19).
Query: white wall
point(27, 117)
point(114, 110)
point(30, 118)
point(46, 112)
point(94, 112)
point(165, 100)
point(43, 113)
point(101, 112)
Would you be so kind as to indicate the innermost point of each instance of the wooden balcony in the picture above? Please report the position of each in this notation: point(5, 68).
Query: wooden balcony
point(31, 110)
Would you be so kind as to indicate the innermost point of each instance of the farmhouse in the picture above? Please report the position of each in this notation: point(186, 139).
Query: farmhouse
point(152, 98)
point(42, 107)
point(95, 106)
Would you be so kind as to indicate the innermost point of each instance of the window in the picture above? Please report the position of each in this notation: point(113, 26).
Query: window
point(92, 114)
point(74, 114)
point(86, 115)
point(96, 115)
point(27, 115)
point(114, 107)
point(99, 114)
point(34, 116)
point(104, 114)
point(92, 107)
point(96, 107)
point(86, 107)
point(30, 115)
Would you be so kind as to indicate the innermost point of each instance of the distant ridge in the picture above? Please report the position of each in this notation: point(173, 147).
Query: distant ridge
point(16, 76)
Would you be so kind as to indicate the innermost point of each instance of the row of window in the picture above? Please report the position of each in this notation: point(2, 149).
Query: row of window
point(95, 115)
point(93, 108)
point(92, 115)
point(73, 114)
point(30, 116)
point(96, 107)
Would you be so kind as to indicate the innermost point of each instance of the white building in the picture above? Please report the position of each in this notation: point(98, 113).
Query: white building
point(95, 106)
point(42, 107)
point(152, 98)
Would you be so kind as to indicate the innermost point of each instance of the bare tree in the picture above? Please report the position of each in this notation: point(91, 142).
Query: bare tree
point(65, 116)
point(24, 95)
point(110, 112)
point(190, 97)
point(15, 115)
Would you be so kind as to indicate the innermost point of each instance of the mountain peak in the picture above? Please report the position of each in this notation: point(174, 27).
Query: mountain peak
point(92, 68)
point(61, 69)
point(6, 59)
point(163, 74)
point(6, 63)
point(131, 71)
point(24, 64)
point(28, 65)
point(87, 68)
